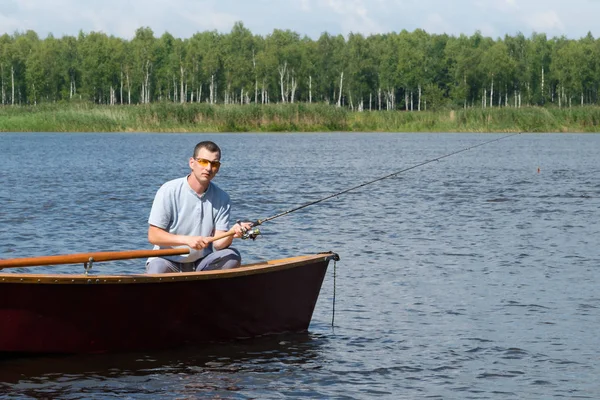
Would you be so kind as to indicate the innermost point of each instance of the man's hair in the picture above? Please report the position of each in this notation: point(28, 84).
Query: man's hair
point(208, 145)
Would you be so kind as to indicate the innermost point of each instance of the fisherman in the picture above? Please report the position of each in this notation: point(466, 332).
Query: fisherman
point(192, 211)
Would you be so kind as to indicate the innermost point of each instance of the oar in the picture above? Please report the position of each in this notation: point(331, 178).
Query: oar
point(98, 256)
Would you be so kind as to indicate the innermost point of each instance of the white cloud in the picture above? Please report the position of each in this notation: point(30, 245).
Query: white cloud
point(504, 6)
point(209, 20)
point(488, 29)
point(305, 5)
point(9, 24)
point(183, 18)
point(435, 23)
point(545, 21)
point(354, 16)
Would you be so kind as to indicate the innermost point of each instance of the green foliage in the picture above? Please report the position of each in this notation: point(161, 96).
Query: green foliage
point(82, 116)
point(406, 70)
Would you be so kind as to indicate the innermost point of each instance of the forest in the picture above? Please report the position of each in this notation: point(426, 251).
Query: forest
point(412, 71)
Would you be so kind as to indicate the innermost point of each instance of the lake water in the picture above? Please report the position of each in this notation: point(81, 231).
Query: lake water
point(475, 277)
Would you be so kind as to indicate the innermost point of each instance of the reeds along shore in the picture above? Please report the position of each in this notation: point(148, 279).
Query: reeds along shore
point(299, 117)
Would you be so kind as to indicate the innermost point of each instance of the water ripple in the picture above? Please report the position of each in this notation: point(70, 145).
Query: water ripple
point(473, 278)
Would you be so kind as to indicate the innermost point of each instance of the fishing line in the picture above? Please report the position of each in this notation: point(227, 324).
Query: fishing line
point(261, 221)
point(253, 233)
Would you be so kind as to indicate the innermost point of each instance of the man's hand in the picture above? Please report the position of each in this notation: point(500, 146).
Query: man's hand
point(240, 228)
point(197, 242)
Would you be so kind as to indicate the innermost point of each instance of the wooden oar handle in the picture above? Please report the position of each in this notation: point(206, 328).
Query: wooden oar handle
point(224, 235)
point(85, 257)
point(99, 256)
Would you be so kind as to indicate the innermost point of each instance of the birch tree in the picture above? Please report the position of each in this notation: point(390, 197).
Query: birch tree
point(329, 66)
point(209, 45)
point(5, 68)
point(144, 50)
point(497, 67)
point(71, 66)
point(361, 70)
point(20, 50)
point(539, 64)
point(237, 62)
point(43, 74)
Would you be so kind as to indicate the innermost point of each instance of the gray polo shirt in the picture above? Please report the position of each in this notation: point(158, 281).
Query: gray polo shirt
point(178, 209)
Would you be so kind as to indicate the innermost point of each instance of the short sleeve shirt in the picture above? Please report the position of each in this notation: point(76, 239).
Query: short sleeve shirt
point(179, 210)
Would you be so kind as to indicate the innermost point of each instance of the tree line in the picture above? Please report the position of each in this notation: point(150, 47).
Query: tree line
point(394, 71)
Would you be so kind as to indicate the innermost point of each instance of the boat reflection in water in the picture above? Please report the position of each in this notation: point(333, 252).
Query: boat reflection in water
point(214, 369)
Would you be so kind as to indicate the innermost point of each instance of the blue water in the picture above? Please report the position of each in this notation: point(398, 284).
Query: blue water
point(475, 277)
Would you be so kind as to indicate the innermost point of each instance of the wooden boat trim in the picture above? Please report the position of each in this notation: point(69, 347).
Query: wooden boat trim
point(250, 269)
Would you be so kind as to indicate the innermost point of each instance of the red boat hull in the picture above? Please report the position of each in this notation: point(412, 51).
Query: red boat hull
point(88, 314)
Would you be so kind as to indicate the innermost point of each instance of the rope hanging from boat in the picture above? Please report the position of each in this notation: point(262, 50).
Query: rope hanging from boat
point(261, 221)
point(334, 276)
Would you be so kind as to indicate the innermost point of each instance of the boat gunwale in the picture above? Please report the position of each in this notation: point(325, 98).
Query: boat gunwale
point(244, 270)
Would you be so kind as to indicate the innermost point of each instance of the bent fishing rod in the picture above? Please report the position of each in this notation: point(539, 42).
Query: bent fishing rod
point(252, 233)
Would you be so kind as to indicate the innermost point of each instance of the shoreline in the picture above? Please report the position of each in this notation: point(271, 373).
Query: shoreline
point(290, 118)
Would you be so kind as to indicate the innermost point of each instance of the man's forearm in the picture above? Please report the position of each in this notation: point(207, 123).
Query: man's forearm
point(160, 237)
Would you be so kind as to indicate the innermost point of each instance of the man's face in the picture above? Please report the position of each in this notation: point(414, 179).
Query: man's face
point(205, 165)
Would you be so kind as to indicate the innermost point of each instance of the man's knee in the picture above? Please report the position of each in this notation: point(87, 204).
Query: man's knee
point(232, 260)
point(222, 259)
point(160, 266)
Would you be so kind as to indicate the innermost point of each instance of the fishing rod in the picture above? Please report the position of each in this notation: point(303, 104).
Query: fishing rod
point(252, 233)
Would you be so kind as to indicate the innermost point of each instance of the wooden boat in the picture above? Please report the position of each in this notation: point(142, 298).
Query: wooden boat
point(85, 313)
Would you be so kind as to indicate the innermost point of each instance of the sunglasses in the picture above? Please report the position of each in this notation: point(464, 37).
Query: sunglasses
point(205, 163)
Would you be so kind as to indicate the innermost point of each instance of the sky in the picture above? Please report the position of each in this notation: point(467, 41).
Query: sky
point(183, 18)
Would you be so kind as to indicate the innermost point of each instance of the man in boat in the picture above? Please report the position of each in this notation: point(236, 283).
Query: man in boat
point(192, 211)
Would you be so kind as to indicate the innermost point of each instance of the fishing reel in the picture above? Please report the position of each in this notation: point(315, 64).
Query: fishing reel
point(251, 233)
